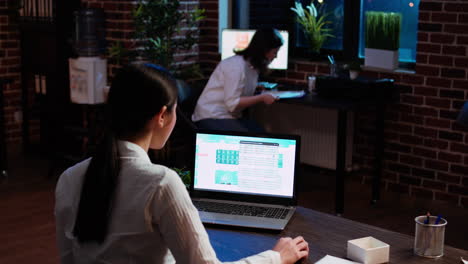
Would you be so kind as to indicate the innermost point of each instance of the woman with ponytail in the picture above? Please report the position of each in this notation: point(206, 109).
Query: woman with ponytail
point(118, 207)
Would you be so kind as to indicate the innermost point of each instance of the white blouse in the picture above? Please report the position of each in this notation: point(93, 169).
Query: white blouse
point(153, 219)
point(233, 77)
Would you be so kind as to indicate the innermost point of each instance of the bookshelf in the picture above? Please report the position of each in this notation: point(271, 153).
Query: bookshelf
point(46, 28)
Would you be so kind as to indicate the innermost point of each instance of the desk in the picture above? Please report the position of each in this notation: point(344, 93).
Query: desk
point(326, 234)
point(3, 152)
point(343, 106)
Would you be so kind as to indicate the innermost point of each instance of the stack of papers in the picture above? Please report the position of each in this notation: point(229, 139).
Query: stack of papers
point(287, 94)
point(334, 260)
point(267, 85)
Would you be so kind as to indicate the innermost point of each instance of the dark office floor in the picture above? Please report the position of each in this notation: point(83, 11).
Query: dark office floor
point(27, 198)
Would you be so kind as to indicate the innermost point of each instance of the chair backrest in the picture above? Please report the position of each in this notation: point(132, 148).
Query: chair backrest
point(188, 94)
point(181, 142)
point(187, 99)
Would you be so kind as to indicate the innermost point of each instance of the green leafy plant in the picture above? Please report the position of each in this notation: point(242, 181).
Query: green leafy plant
point(163, 30)
point(383, 30)
point(185, 175)
point(314, 25)
point(117, 52)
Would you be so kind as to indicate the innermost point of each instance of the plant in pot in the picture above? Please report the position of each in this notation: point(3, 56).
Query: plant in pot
point(382, 39)
point(162, 31)
point(164, 34)
point(313, 24)
point(185, 174)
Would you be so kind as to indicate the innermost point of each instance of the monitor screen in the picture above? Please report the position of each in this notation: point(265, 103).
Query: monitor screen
point(238, 39)
point(254, 165)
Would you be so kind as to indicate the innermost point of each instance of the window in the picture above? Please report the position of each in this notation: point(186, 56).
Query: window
point(335, 13)
point(409, 24)
point(348, 19)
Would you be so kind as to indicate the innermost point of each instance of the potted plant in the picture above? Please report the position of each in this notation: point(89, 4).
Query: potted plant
point(313, 25)
point(163, 30)
point(382, 39)
point(185, 175)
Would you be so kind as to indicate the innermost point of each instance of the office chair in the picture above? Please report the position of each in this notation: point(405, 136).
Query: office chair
point(186, 102)
point(179, 147)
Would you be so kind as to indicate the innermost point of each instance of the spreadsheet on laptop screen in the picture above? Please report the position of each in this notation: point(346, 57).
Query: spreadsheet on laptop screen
point(245, 164)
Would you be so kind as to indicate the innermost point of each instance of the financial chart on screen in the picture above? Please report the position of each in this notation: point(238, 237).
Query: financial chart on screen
point(239, 39)
point(245, 164)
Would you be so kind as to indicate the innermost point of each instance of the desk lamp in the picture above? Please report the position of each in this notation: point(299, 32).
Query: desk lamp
point(463, 115)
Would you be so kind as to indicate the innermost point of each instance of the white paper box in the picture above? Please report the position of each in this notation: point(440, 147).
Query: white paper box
point(368, 250)
point(334, 260)
point(383, 59)
point(88, 79)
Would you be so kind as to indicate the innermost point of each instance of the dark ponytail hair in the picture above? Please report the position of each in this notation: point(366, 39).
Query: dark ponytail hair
point(137, 94)
point(263, 40)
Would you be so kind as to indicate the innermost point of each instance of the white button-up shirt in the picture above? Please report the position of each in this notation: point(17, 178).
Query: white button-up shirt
point(153, 219)
point(233, 77)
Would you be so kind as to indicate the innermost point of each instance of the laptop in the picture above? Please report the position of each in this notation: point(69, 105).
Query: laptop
point(245, 179)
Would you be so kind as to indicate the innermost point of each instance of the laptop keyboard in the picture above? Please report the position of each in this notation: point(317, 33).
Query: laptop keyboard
point(240, 209)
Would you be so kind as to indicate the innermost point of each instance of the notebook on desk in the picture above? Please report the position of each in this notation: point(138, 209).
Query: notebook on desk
point(287, 94)
point(245, 179)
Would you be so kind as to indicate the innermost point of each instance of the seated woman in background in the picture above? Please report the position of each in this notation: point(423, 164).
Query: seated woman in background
point(118, 207)
point(232, 85)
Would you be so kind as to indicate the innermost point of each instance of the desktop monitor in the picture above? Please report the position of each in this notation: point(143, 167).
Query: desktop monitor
point(238, 39)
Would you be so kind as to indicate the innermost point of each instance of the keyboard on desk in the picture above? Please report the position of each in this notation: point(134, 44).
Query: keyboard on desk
point(241, 209)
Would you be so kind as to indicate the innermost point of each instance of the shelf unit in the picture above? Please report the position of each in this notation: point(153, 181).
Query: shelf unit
point(45, 33)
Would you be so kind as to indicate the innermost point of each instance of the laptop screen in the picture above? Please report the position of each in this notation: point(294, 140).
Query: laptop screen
point(245, 164)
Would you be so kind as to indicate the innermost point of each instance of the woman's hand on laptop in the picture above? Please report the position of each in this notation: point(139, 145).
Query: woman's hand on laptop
point(292, 250)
